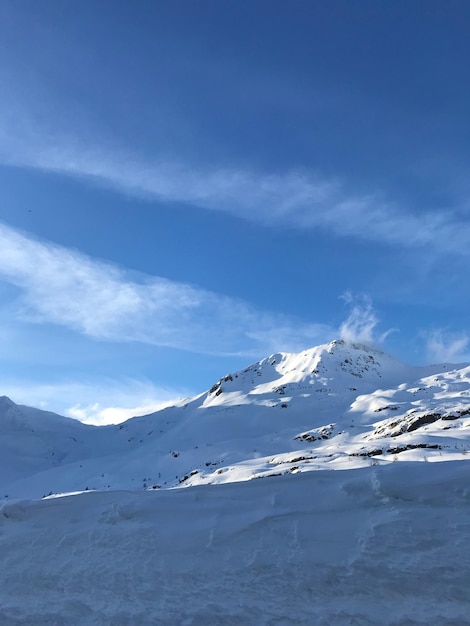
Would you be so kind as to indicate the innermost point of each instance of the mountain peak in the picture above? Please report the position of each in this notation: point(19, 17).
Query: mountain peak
point(6, 403)
point(337, 405)
point(352, 345)
point(333, 367)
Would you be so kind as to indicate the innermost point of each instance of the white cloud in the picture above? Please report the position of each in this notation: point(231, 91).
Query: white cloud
point(104, 401)
point(448, 347)
point(99, 415)
point(297, 199)
point(65, 287)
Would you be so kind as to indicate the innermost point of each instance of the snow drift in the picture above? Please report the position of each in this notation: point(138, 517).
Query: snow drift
point(340, 495)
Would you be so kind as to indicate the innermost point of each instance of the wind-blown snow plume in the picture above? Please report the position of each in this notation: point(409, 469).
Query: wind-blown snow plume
point(361, 322)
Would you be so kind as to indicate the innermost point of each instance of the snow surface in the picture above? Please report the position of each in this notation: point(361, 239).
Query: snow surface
point(139, 536)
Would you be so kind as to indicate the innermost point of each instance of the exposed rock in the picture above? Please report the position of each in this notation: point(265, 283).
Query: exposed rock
point(316, 434)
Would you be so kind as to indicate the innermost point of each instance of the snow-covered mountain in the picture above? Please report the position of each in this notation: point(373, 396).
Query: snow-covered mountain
point(375, 537)
point(336, 406)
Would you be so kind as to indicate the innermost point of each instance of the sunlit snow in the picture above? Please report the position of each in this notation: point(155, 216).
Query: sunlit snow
point(325, 487)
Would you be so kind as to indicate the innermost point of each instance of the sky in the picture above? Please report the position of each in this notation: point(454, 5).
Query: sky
point(187, 187)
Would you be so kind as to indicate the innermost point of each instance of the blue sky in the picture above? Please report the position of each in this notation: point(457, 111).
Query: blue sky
point(187, 187)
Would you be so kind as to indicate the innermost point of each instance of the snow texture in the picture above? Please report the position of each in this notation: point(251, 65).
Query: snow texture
point(347, 524)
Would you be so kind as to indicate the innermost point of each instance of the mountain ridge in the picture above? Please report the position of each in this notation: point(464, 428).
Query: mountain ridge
point(334, 406)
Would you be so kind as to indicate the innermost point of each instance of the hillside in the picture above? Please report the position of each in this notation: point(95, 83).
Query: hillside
point(336, 406)
point(346, 524)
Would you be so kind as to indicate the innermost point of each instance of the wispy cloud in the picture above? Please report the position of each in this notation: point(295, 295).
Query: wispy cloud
point(448, 347)
point(63, 286)
point(361, 324)
point(297, 198)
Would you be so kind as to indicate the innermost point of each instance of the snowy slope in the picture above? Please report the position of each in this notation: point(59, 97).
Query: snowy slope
point(377, 545)
point(337, 406)
point(33, 440)
point(382, 539)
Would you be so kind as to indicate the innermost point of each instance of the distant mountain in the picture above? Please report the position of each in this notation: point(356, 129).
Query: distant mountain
point(32, 440)
point(335, 406)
